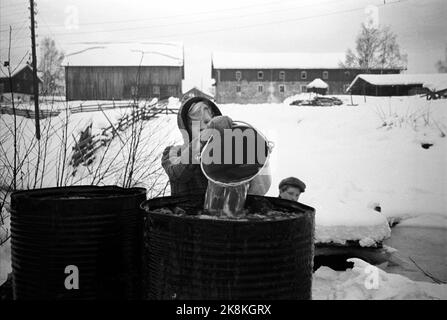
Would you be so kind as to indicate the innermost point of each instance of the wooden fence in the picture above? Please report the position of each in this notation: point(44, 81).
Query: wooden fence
point(85, 149)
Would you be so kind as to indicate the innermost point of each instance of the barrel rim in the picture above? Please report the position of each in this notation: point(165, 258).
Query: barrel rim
point(58, 193)
point(304, 210)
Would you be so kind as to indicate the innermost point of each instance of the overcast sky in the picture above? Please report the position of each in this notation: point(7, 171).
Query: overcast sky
point(204, 26)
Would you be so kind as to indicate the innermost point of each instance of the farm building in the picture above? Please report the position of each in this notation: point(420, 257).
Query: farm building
point(125, 71)
point(22, 83)
point(196, 92)
point(396, 84)
point(272, 77)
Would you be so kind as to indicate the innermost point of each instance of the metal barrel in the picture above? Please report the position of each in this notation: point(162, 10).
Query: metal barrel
point(98, 230)
point(188, 257)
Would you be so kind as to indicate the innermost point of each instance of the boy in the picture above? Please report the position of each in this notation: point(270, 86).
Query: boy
point(291, 188)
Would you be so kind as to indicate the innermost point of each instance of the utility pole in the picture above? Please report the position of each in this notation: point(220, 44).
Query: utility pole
point(34, 64)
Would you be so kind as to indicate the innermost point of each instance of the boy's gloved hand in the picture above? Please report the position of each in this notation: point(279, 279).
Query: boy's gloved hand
point(218, 123)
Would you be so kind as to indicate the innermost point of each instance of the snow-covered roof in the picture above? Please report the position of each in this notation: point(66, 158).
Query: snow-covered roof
point(318, 83)
point(127, 54)
point(437, 84)
point(431, 79)
point(4, 73)
point(283, 60)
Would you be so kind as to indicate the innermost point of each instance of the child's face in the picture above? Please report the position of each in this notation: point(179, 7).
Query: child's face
point(290, 193)
point(205, 119)
point(200, 112)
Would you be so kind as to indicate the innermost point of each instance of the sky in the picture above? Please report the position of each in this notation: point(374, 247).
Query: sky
point(206, 26)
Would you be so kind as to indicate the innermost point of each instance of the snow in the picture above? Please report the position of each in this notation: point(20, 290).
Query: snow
point(436, 84)
point(352, 158)
point(300, 96)
point(154, 138)
point(126, 54)
point(429, 80)
point(318, 83)
point(367, 282)
point(279, 60)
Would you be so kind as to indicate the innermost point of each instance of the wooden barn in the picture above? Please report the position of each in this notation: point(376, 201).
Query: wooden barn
point(22, 83)
point(272, 77)
point(393, 84)
point(126, 71)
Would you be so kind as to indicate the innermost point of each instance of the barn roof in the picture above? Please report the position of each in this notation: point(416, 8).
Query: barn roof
point(432, 80)
point(127, 54)
point(202, 92)
point(282, 60)
point(16, 70)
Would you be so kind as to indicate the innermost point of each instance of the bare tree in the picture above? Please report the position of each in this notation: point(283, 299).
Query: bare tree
point(375, 48)
point(442, 65)
point(50, 65)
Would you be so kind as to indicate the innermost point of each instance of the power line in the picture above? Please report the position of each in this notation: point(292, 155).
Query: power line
point(193, 22)
point(253, 25)
point(184, 15)
point(15, 4)
point(259, 24)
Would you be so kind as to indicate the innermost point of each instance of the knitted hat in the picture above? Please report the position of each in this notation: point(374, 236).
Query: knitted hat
point(293, 182)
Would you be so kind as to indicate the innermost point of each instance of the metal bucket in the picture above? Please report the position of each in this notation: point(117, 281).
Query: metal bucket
point(189, 257)
point(96, 229)
point(229, 178)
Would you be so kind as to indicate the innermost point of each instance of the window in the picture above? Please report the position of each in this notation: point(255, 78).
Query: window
point(282, 75)
point(18, 88)
point(303, 75)
point(156, 90)
point(260, 75)
point(281, 88)
point(238, 75)
point(325, 75)
point(238, 89)
point(347, 74)
point(303, 88)
point(260, 88)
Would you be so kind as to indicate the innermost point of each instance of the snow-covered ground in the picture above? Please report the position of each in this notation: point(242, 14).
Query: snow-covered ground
point(367, 282)
point(354, 157)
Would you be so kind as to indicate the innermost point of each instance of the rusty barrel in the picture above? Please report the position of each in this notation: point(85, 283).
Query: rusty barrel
point(97, 230)
point(191, 256)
